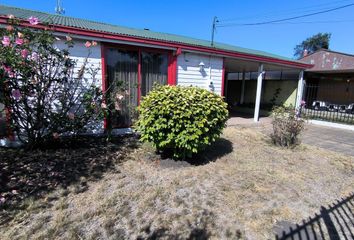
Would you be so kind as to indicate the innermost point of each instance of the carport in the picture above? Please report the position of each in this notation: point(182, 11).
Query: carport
point(263, 83)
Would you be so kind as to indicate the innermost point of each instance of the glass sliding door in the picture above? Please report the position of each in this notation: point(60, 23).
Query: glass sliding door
point(122, 79)
point(131, 74)
point(153, 70)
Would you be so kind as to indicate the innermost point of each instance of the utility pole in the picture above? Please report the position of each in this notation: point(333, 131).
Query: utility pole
point(215, 20)
point(59, 8)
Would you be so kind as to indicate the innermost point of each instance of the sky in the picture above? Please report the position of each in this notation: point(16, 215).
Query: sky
point(193, 18)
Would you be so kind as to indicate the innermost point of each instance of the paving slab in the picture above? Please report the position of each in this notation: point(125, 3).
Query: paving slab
point(334, 139)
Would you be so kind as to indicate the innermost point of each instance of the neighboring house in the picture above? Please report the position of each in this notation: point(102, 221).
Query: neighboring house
point(329, 86)
point(141, 57)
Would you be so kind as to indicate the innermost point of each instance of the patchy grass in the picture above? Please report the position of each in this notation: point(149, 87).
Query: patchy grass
point(239, 189)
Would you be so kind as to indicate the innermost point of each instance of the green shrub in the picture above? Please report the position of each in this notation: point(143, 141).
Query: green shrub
point(286, 126)
point(183, 120)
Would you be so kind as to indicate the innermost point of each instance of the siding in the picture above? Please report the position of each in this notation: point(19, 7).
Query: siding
point(189, 74)
point(79, 52)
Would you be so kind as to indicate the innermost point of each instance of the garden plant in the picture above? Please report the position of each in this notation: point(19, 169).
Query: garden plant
point(46, 93)
point(183, 120)
point(286, 126)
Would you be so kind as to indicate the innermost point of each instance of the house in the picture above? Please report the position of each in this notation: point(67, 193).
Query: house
point(141, 57)
point(329, 86)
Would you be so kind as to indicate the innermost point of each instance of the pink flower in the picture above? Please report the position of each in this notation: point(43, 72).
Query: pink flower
point(119, 97)
point(24, 53)
point(71, 116)
point(9, 28)
point(94, 43)
point(7, 69)
point(68, 38)
point(19, 41)
point(103, 105)
point(34, 56)
point(6, 41)
point(55, 135)
point(16, 94)
point(88, 44)
point(33, 20)
point(11, 16)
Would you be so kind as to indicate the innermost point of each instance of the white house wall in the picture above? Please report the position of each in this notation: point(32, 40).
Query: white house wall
point(189, 74)
point(79, 53)
point(93, 54)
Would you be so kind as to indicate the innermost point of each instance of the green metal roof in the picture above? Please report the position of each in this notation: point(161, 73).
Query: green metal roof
point(114, 29)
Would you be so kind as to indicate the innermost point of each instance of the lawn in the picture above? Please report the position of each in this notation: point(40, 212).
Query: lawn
point(242, 187)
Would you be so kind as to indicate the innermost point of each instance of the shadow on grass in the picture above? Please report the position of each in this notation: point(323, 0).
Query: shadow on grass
point(334, 222)
point(213, 152)
point(216, 150)
point(31, 174)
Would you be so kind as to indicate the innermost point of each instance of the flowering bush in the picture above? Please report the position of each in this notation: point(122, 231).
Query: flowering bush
point(44, 93)
point(286, 126)
point(181, 119)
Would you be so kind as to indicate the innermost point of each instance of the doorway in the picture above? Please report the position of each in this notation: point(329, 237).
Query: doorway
point(131, 74)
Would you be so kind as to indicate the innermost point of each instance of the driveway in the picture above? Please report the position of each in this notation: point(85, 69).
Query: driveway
point(334, 139)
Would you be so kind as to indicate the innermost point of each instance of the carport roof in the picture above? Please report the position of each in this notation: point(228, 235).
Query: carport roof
point(98, 27)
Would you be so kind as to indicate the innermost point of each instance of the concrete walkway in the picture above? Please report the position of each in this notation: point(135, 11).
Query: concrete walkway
point(333, 139)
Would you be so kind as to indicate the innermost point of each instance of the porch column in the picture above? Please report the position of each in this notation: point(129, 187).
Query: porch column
point(258, 93)
point(243, 87)
point(300, 89)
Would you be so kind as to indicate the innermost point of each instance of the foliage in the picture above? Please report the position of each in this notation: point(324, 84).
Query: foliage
point(122, 108)
point(286, 126)
point(181, 119)
point(275, 96)
point(312, 44)
point(47, 93)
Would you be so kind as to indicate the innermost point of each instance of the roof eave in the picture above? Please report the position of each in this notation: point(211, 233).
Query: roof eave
point(111, 36)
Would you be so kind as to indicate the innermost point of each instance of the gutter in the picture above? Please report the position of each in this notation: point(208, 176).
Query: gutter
point(166, 44)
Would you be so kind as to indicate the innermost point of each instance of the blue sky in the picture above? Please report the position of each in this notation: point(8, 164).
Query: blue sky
point(193, 18)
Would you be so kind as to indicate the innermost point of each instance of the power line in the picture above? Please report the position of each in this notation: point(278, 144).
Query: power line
point(286, 19)
point(288, 11)
point(315, 22)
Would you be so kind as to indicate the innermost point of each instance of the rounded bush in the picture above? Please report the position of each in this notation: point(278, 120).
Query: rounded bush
point(183, 120)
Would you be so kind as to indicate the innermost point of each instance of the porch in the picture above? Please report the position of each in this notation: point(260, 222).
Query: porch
point(254, 88)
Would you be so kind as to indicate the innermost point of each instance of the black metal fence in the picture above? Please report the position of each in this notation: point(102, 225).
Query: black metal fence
point(334, 222)
point(328, 102)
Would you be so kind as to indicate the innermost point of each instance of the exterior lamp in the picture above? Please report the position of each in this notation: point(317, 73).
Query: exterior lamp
point(201, 66)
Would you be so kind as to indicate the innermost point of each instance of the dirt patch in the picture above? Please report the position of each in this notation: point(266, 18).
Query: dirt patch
point(240, 193)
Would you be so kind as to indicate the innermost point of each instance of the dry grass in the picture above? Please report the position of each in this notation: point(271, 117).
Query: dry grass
point(241, 194)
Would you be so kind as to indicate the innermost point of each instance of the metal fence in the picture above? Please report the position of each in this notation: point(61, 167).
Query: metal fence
point(328, 103)
point(334, 222)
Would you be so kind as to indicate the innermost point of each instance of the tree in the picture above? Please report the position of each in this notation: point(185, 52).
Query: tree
point(312, 44)
point(46, 93)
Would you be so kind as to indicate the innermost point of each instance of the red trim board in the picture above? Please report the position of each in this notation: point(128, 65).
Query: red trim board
point(111, 36)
